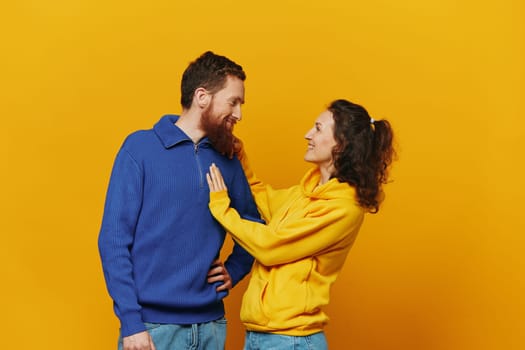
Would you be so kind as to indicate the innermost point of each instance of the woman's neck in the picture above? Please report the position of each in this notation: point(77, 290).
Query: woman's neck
point(326, 173)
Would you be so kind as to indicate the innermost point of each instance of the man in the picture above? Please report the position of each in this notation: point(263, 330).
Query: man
point(159, 244)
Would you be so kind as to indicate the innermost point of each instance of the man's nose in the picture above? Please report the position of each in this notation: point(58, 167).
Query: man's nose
point(237, 113)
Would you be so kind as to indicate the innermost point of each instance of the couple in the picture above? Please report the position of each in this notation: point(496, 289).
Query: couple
point(176, 189)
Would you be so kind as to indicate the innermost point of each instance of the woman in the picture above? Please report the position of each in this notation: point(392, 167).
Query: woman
point(309, 227)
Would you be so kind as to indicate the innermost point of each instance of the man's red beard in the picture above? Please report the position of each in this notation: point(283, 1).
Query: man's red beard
point(219, 132)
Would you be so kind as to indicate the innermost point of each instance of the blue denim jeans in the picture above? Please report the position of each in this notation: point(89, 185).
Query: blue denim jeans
point(201, 336)
point(269, 341)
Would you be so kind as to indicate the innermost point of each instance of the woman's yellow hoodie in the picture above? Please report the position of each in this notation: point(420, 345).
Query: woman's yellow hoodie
point(299, 252)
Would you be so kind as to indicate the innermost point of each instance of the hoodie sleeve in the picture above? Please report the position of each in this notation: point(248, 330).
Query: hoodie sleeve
point(239, 262)
point(266, 197)
point(326, 226)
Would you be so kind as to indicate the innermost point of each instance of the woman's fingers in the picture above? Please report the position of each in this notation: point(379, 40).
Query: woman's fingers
point(215, 179)
point(219, 179)
point(210, 182)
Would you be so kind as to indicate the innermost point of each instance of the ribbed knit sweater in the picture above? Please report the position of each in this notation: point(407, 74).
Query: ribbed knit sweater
point(158, 238)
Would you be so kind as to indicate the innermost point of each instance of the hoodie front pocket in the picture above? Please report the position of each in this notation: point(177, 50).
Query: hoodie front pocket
point(252, 310)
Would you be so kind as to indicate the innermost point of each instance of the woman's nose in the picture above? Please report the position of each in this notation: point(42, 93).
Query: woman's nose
point(308, 135)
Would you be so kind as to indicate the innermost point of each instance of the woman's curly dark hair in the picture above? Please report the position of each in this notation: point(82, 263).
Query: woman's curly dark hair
point(363, 153)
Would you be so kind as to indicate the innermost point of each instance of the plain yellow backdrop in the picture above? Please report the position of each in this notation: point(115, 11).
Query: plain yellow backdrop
point(440, 267)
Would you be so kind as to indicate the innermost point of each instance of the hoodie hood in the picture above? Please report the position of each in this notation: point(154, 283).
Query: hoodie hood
point(330, 190)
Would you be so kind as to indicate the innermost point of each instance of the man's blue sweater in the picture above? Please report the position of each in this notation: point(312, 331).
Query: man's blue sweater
point(158, 239)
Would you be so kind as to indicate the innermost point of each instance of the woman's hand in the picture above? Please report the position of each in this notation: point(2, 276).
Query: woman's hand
point(215, 180)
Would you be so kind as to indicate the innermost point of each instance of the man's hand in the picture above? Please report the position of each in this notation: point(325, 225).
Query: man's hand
point(219, 273)
point(138, 341)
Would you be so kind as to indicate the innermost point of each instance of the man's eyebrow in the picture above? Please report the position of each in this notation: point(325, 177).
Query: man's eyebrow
point(237, 99)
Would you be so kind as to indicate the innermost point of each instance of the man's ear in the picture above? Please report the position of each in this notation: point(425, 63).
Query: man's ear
point(202, 97)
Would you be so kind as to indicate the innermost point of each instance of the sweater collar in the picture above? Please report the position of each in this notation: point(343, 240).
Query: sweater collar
point(170, 134)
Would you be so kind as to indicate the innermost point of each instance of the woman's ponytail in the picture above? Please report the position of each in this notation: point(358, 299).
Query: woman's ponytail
point(364, 151)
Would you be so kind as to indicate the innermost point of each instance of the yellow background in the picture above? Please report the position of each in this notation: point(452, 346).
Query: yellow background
point(440, 267)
